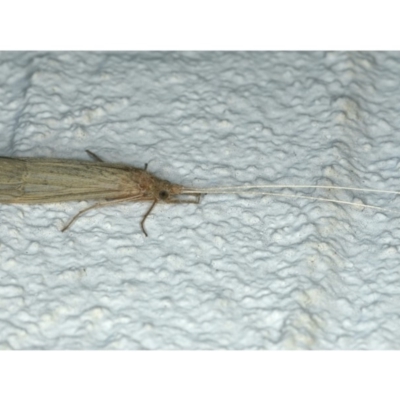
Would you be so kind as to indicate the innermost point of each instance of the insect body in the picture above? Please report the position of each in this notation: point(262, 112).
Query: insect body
point(47, 180)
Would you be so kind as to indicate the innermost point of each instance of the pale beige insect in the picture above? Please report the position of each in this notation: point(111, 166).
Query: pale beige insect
point(47, 180)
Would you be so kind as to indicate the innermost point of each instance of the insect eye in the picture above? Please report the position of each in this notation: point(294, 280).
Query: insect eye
point(163, 194)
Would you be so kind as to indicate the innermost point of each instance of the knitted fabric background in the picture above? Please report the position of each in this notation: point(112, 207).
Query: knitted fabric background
point(235, 271)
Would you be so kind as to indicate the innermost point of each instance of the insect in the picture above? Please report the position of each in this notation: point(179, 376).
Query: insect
point(47, 180)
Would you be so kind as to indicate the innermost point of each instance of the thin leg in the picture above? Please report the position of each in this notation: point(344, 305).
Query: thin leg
point(98, 205)
point(145, 167)
point(146, 215)
point(194, 201)
point(77, 216)
point(94, 156)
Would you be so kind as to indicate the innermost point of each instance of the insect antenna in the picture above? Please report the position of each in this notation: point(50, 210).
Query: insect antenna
point(246, 190)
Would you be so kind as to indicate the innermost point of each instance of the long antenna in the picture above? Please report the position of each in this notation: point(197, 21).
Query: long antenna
point(222, 190)
point(229, 189)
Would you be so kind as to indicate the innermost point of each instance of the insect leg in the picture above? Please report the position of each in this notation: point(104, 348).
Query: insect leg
point(178, 201)
point(94, 156)
point(78, 215)
point(98, 205)
point(146, 215)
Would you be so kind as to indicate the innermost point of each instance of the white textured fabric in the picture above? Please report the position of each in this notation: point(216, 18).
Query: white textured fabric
point(234, 272)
